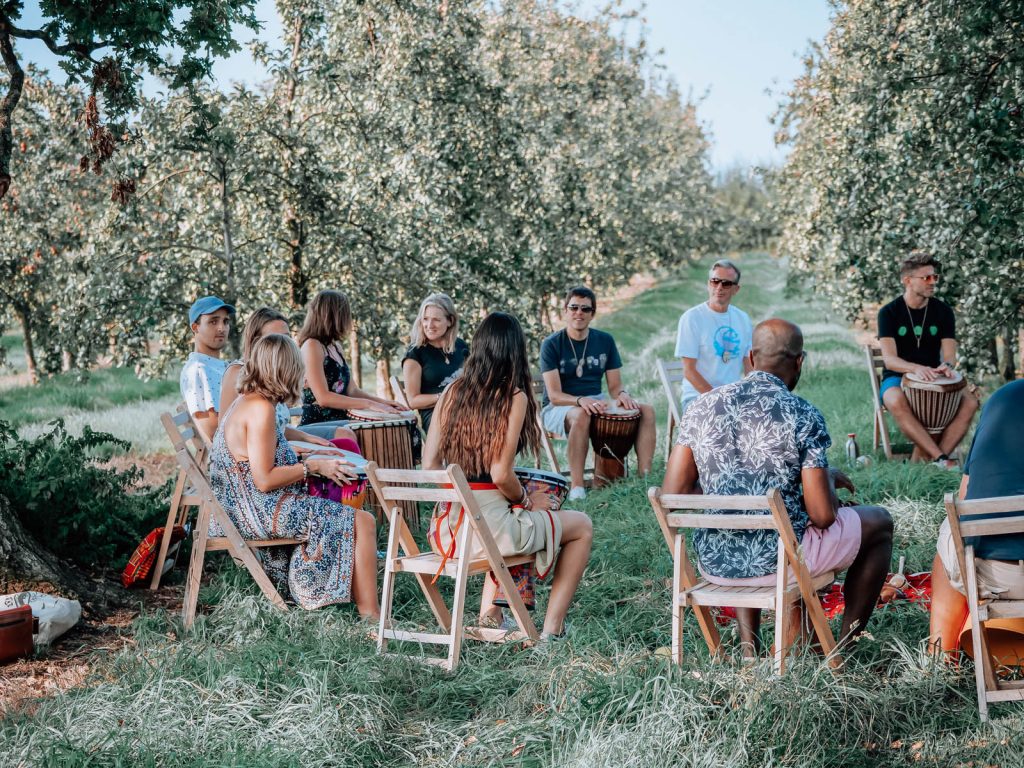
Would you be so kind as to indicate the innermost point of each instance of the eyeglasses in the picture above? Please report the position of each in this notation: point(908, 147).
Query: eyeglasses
point(586, 309)
point(717, 281)
point(932, 278)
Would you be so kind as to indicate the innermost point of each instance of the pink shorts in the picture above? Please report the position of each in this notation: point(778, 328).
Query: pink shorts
point(830, 549)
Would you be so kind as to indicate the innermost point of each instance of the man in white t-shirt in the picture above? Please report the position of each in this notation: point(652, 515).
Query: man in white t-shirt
point(714, 337)
point(201, 377)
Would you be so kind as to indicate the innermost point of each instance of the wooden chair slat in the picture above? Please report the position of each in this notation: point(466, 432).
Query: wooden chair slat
point(397, 493)
point(428, 476)
point(734, 522)
point(698, 501)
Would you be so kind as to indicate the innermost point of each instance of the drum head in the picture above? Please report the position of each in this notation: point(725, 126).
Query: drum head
point(621, 413)
point(941, 381)
point(529, 473)
point(367, 414)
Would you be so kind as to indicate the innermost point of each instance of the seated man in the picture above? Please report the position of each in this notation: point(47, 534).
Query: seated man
point(917, 334)
point(201, 377)
point(753, 435)
point(994, 467)
point(573, 362)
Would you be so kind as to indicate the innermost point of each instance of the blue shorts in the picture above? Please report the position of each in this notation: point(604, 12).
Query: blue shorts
point(888, 383)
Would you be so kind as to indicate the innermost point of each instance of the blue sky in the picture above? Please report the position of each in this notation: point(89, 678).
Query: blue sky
point(727, 53)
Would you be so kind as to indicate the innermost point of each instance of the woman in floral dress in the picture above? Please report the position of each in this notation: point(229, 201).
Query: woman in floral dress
point(260, 482)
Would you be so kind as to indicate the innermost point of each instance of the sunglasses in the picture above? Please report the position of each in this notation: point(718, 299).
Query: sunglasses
point(586, 309)
point(928, 278)
point(716, 281)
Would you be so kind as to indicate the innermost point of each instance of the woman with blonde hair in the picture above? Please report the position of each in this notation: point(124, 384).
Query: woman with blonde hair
point(434, 358)
point(486, 417)
point(262, 322)
point(261, 484)
point(329, 392)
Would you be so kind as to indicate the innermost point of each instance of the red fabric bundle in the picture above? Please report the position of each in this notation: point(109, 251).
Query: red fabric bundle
point(142, 559)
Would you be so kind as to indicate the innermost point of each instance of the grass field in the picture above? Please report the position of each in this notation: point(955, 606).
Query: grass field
point(252, 687)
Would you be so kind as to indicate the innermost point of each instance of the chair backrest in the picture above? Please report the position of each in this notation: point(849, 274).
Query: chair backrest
point(671, 374)
point(960, 528)
point(190, 448)
point(538, 386)
point(875, 364)
point(398, 388)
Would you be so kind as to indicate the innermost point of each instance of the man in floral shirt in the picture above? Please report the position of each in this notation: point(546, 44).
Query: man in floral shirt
point(753, 435)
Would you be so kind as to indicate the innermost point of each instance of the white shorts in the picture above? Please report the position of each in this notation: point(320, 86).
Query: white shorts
point(996, 578)
point(553, 416)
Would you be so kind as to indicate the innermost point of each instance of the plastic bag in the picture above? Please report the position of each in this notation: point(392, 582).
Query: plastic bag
point(56, 614)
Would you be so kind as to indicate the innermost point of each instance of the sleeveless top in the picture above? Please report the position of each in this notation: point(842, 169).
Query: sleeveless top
point(338, 378)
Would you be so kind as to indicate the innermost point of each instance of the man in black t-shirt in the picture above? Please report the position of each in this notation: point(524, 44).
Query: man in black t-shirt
point(573, 362)
point(917, 334)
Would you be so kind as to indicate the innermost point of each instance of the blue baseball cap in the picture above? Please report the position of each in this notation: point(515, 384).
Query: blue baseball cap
point(205, 306)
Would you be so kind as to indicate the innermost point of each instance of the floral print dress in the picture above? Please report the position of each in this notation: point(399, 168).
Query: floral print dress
point(318, 572)
point(338, 376)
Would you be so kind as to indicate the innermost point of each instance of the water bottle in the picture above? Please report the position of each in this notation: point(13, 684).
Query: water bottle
point(852, 450)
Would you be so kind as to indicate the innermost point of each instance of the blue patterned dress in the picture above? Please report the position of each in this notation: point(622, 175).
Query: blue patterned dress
point(318, 572)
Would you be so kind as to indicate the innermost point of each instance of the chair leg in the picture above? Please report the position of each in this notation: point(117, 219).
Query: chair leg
point(459, 601)
point(876, 436)
point(783, 612)
point(388, 584)
point(678, 608)
point(669, 421)
point(165, 540)
point(195, 566)
point(884, 428)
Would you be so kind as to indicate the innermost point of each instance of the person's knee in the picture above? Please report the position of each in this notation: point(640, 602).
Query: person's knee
point(646, 411)
point(578, 419)
point(875, 523)
point(344, 433)
point(970, 404)
point(365, 523)
point(895, 401)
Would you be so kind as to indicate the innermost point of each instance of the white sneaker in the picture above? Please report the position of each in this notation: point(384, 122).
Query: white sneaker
point(577, 493)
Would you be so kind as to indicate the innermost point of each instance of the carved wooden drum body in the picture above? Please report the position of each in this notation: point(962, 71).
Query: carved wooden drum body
point(935, 403)
point(613, 435)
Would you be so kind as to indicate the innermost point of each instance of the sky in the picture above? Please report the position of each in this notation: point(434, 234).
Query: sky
point(736, 57)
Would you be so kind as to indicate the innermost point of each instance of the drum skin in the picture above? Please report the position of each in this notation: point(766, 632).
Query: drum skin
point(387, 443)
point(934, 403)
point(612, 434)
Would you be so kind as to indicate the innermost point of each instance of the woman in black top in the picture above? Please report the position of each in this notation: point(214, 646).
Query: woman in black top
point(435, 357)
point(329, 392)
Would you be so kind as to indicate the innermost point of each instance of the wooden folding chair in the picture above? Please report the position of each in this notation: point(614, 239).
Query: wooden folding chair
point(241, 550)
point(881, 425)
point(183, 498)
point(453, 489)
point(990, 687)
point(671, 374)
point(690, 591)
point(546, 437)
point(398, 388)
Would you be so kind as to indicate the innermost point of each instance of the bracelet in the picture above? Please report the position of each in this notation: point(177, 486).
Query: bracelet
point(578, 401)
point(305, 470)
point(525, 498)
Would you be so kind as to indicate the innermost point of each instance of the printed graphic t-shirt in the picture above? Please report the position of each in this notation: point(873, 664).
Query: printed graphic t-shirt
point(933, 323)
point(597, 352)
point(718, 341)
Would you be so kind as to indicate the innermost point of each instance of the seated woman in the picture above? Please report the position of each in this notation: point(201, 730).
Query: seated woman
point(329, 392)
point(261, 485)
point(994, 467)
point(481, 422)
point(260, 323)
point(435, 356)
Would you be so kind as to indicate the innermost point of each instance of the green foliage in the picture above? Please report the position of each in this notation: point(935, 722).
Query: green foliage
point(747, 203)
point(907, 132)
point(75, 508)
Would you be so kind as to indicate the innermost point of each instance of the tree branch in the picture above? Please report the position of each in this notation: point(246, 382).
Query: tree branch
point(82, 50)
point(8, 105)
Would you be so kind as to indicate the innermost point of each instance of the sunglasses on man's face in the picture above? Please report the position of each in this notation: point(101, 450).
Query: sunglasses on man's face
point(586, 309)
point(717, 281)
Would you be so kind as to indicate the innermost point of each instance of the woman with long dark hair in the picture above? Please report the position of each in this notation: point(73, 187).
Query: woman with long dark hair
point(484, 418)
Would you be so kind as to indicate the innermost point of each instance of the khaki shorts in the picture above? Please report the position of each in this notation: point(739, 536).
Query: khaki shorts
point(996, 578)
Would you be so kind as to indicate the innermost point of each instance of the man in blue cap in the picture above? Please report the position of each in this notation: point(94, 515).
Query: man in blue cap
point(210, 318)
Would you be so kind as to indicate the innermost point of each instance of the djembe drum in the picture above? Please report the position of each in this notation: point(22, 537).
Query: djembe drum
point(353, 494)
point(384, 438)
point(613, 435)
point(934, 403)
point(533, 480)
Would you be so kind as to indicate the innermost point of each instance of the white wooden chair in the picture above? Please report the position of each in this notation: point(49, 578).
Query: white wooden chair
point(671, 374)
point(184, 497)
point(881, 429)
point(242, 551)
point(990, 687)
point(689, 591)
point(451, 487)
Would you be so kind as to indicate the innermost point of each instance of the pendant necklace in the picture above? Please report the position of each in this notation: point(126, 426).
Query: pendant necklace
point(917, 330)
point(726, 356)
point(576, 358)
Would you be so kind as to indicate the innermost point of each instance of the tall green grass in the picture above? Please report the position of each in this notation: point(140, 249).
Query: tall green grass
point(251, 686)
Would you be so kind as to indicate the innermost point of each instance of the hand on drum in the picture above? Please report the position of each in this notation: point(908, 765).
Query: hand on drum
point(541, 500)
point(318, 441)
point(931, 374)
point(593, 405)
point(336, 470)
point(387, 406)
point(627, 402)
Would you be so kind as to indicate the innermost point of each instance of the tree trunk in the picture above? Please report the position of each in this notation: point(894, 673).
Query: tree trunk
point(1004, 354)
point(27, 565)
point(355, 358)
point(30, 351)
point(7, 106)
point(235, 328)
point(384, 379)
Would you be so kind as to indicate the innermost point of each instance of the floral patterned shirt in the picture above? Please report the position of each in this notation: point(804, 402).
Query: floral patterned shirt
point(747, 438)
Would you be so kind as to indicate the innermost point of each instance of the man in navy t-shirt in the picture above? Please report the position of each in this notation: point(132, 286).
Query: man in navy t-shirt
point(573, 362)
point(994, 467)
point(917, 334)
